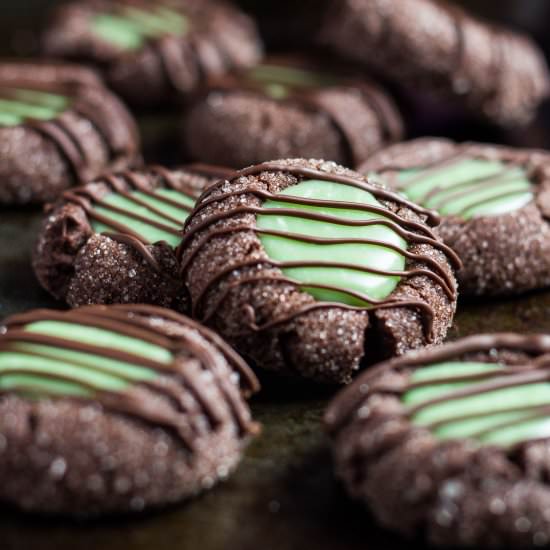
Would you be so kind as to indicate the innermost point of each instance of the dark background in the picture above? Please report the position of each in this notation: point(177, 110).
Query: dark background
point(284, 496)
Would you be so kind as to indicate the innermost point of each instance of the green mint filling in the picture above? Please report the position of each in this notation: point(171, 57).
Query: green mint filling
point(486, 411)
point(130, 28)
point(149, 232)
point(38, 365)
point(290, 249)
point(18, 105)
point(278, 80)
point(469, 188)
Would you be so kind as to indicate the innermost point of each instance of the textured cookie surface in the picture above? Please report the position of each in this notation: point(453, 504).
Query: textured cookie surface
point(116, 409)
point(434, 46)
point(309, 269)
point(113, 240)
point(494, 203)
point(291, 106)
point(452, 443)
point(59, 126)
point(154, 52)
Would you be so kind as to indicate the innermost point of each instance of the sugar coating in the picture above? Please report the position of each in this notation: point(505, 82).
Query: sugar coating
point(454, 492)
point(62, 456)
point(79, 266)
point(439, 48)
point(326, 345)
point(238, 127)
point(502, 255)
point(167, 68)
point(34, 169)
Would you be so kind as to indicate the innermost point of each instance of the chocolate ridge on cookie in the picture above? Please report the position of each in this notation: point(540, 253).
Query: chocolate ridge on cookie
point(81, 390)
point(494, 202)
point(153, 52)
point(291, 106)
point(452, 443)
point(59, 126)
point(113, 240)
point(250, 297)
point(495, 72)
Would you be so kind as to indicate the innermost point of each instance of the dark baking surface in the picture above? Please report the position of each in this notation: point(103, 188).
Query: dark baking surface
point(284, 495)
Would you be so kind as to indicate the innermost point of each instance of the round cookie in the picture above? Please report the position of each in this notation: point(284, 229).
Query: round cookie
point(113, 240)
point(291, 106)
point(156, 51)
point(452, 443)
point(308, 269)
point(438, 48)
point(116, 409)
point(494, 202)
point(59, 126)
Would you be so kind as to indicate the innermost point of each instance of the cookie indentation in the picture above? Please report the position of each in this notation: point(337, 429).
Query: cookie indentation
point(345, 253)
point(468, 187)
point(18, 105)
point(490, 403)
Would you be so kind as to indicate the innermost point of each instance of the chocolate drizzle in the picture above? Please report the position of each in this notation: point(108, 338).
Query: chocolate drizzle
point(87, 100)
point(315, 98)
point(457, 190)
point(191, 56)
point(411, 231)
point(190, 182)
point(536, 370)
point(190, 343)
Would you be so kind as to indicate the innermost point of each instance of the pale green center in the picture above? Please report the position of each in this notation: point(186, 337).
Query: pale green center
point(486, 417)
point(38, 370)
point(130, 27)
point(468, 188)
point(18, 105)
point(147, 231)
point(279, 80)
point(344, 280)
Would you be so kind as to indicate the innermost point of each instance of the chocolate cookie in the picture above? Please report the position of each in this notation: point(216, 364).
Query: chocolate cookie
point(452, 443)
point(291, 107)
point(113, 240)
point(495, 203)
point(437, 47)
point(154, 51)
point(59, 126)
point(309, 269)
point(116, 409)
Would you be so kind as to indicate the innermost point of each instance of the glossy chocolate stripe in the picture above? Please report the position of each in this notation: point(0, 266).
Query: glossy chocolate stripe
point(239, 365)
point(112, 323)
point(350, 398)
point(528, 408)
point(318, 202)
point(379, 192)
point(14, 336)
point(127, 322)
point(122, 184)
point(318, 264)
point(431, 168)
point(509, 371)
point(308, 239)
point(540, 412)
point(201, 352)
point(204, 354)
point(488, 183)
point(64, 143)
point(438, 275)
point(376, 304)
point(476, 389)
point(143, 251)
point(485, 180)
point(490, 199)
